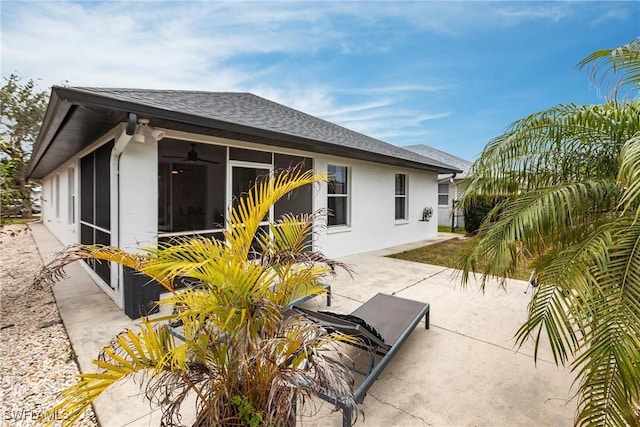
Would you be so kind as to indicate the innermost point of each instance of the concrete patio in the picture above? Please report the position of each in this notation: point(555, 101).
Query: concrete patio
point(464, 370)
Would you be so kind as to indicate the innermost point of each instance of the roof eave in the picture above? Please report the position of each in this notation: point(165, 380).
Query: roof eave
point(54, 117)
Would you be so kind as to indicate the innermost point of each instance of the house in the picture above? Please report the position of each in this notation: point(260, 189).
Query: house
point(130, 167)
point(448, 184)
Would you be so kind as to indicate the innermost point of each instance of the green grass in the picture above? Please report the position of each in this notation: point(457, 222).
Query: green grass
point(447, 229)
point(447, 254)
point(9, 221)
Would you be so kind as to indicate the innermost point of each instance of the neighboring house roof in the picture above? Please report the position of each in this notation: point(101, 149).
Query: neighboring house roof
point(442, 157)
point(77, 116)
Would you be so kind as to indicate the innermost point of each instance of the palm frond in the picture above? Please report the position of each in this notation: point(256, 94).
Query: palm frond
point(562, 144)
point(548, 312)
point(562, 308)
point(246, 217)
point(623, 61)
point(129, 354)
point(289, 234)
point(535, 220)
point(629, 176)
point(195, 257)
point(53, 271)
point(609, 365)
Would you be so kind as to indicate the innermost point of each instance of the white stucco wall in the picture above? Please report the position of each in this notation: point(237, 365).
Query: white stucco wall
point(372, 222)
point(138, 196)
point(56, 204)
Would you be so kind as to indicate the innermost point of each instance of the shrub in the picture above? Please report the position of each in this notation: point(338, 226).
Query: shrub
point(477, 210)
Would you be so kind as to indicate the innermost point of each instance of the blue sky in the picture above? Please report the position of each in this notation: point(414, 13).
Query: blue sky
point(451, 75)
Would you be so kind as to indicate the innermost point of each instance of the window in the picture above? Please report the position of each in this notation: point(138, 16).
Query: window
point(57, 196)
point(338, 196)
point(299, 201)
point(401, 196)
point(443, 194)
point(71, 209)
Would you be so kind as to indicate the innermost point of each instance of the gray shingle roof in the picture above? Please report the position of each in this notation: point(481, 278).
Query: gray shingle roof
point(442, 157)
point(255, 112)
point(76, 116)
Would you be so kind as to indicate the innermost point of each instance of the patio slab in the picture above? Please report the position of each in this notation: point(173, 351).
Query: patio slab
point(464, 370)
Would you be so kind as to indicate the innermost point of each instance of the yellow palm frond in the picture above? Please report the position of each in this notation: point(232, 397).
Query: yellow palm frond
point(245, 219)
point(130, 353)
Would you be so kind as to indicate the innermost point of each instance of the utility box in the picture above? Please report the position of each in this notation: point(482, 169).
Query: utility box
point(141, 294)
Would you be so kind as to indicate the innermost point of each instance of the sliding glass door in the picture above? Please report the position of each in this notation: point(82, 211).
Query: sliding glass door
point(243, 177)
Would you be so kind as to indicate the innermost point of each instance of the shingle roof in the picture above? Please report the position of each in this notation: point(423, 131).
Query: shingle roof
point(260, 113)
point(239, 113)
point(442, 157)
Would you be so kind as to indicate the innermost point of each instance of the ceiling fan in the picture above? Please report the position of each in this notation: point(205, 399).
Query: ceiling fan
point(192, 156)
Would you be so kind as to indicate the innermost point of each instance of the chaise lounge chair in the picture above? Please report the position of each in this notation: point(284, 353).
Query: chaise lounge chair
point(383, 324)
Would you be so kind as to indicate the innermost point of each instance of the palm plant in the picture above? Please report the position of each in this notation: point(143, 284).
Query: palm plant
point(567, 187)
point(242, 359)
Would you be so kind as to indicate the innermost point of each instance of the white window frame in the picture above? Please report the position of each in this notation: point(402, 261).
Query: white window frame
point(346, 196)
point(444, 194)
point(404, 196)
point(57, 195)
point(71, 195)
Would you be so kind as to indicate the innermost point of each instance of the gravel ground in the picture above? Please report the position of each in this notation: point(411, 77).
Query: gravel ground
point(37, 358)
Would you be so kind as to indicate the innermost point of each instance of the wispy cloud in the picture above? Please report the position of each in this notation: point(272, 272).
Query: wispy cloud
point(514, 14)
point(182, 44)
point(105, 45)
point(619, 12)
point(462, 17)
point(392, 121)
point(356, 108)
point(393, 89)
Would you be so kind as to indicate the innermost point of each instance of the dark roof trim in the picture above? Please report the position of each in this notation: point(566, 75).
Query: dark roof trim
point(56, 115)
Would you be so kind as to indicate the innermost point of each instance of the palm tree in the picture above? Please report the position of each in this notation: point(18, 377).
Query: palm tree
point(566, 182)
point(242, 359)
